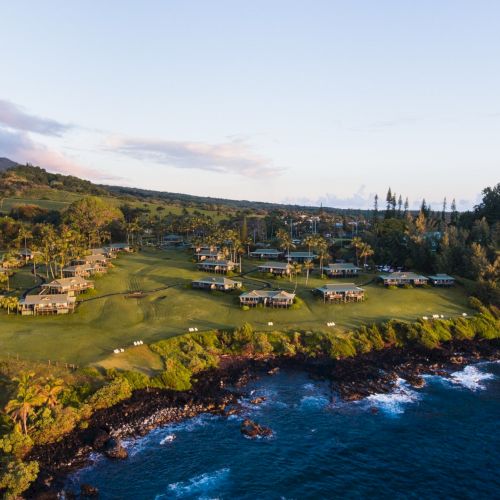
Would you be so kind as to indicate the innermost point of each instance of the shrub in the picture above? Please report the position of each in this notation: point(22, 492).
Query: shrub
point(16, 476)
point(110, 394)
point(245, 308)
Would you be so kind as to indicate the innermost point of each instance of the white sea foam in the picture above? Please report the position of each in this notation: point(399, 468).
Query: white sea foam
point(198, 485)
point(394, 402)
point(316, 401)
point(470, 378)
point(168, 439)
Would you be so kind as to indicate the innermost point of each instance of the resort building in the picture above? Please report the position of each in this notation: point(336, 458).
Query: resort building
point(209, 254)
point(92, 259)
point(216, 283)
point(37, 305)
point(216, 266)
point(83, 270)
point(266, 253)
point(345, 292)
point(172, 240)
point(71, 286)
point(276, 268)
point(442, 280)
point(26, 254)
point(119, 247)
point(402, 278)
point(300, 256)
point(342, 270)
point(269, 298)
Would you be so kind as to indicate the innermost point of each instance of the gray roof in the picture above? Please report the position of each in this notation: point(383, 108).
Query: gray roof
point(77, 280)
point(273, 294)
point(339, 287)
point(440, 276)
point(219, 280)
point(302, 255)
point(268, 251)
point(118, 246)
point(343, 266)
point(55, 299)
point(275, 265)
point(211, 262)
point(403, 275)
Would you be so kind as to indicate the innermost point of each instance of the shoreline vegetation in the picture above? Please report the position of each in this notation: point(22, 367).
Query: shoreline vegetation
point(94, 409)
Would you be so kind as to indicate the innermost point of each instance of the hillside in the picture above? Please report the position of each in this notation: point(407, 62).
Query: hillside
point(30, 184)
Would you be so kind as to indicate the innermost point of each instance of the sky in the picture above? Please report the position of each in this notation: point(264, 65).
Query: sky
point(311, 102)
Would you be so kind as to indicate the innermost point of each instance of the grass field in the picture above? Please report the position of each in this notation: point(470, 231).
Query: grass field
point(102, 323)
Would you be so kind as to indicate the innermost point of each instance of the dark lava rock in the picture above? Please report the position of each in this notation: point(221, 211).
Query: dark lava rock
point(252, 429)
point(258, 400)
point(415, 381)
point(114, 449)
point(88, 491)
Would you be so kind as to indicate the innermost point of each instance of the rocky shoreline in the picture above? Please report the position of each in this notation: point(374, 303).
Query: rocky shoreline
point(218, 391)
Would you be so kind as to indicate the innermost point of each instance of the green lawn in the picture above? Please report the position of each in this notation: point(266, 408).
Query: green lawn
point(102, 324)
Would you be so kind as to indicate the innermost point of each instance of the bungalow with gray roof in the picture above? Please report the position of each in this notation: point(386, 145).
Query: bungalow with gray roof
point(92, 259)
point(442, 280)
point(276, 268)
point(403, 278)
point(266, 253)
point(300, 256)
point(83, 270)
point(269, 298)
point(341, 270)
point(119, 247)
point(216, 283)
point(71, 286)
point(344, 292)
point(37, 305)
point(216, 266)
point(209, 254)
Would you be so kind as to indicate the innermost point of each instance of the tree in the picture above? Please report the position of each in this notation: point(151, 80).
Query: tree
point(50, 391)
point(10, 303)
point(388, 200)
point(321, 247)
point(454, 213)
point(284, 240)
point(357, 244)
point(28, 397)
point(365, 252)
point(296, 269)
point(400, 205)
point(308, 266)
point(490, 205)
point(406, 207)
point(375, 209)
point(90, 216)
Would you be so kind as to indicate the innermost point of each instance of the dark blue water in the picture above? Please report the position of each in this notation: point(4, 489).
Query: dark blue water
point(442, 441)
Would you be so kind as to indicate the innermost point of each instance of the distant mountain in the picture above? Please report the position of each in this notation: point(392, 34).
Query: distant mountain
point(5, 163)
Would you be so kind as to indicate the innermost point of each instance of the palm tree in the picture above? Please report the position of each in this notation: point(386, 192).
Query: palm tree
point(51, 390)
point(357, 243)
point(296, 269)
point(284, 240)
point(321, 246)
point(308, 266)
point(10, 303)
point(366, 251)
point(28, 398)
point(25, 234)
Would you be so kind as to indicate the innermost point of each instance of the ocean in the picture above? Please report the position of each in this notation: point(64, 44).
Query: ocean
point(441, 441)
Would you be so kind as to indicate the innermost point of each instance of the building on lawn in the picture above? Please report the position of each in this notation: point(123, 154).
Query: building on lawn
point(276, 268)
point(300, 256)
point(342, 292)
point(442, 280)
point(26, 254)
point(83, 270)
point(216, 266)
point(71, 286)
point(342, 270)
point(172, 240)
point(38, 305)
point(119, 247)
point(403, 278)
point(106, 251)
point(92, 259)
point(266, 253)
point(269, 298)
point(216, 283)
point(207, 254)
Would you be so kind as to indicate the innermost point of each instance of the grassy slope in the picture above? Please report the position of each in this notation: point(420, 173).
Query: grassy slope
point(102, 324)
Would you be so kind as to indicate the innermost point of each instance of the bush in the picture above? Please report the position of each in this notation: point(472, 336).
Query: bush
point(245, 308)
point(16, 476)
point(110, 394)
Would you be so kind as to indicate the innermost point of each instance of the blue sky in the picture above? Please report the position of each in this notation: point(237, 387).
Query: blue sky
point(312, 102)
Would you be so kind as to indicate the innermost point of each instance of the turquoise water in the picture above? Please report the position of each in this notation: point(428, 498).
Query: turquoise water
point(442, 441)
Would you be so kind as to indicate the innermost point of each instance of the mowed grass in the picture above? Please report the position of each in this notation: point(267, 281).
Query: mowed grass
point(104, 322)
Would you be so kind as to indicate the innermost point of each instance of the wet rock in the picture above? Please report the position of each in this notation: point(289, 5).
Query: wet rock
point(88, 491)
point(114, 449)
point(258, 400)
point(415, 381)
point(457, 360)
point(273, 371)
point(252, 429)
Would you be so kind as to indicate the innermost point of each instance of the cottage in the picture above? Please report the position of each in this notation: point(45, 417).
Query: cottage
point(106, 251)
point(442, 280)
point(37, 305)
point(209, 254)
point(83, 270)
point(172, 240)
point(300, 256)
point(276, 268)
point(269, 298)
point(345, 292)
point(26, 254)
point(216, 266)
point(216, 283)
point(403, 278)
point(71, 286)
point(92, 259)
point(119, 247)
point(341, 270)
point(266, 253)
